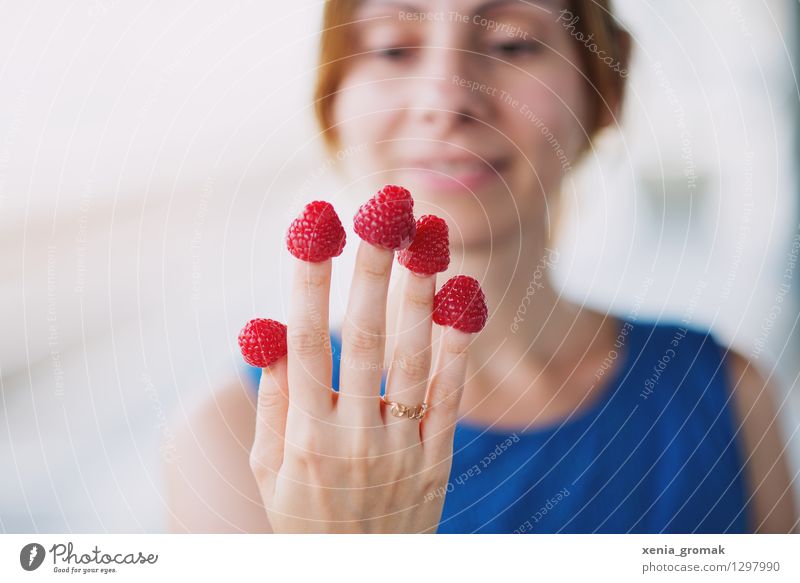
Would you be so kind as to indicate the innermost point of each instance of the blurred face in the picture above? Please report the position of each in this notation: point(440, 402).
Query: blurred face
point(478, 107)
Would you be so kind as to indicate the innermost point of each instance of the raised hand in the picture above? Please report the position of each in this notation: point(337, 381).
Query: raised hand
point(351, 461)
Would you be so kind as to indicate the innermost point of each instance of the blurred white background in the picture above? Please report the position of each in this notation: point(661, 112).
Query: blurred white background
point(151, 156)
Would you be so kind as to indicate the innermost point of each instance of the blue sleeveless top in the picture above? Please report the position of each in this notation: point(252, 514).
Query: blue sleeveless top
point(656, 452)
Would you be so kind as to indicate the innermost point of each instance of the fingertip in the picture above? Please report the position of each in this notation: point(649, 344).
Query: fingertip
point(276, 366)
point(419, 291)
point(374, 258)
point(312, 276)
point(425, 279)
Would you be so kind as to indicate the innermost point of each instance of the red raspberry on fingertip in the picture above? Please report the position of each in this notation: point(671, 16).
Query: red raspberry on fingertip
point(429, 252)
point(317, 234)
point(263, 342)
point(387, 219)
point(460, 303)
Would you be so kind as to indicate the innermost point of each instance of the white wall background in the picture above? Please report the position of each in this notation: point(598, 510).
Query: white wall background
point(152, 154)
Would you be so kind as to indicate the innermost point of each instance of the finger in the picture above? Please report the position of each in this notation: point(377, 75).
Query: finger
point(266, 455)
point(444, 395)
point(409, 368)
point(364, 334)
point(308, 340)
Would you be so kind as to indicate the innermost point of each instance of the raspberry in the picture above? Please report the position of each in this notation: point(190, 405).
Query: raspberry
point(317, 234)
point(263, 342)
point(460, 303)
point(429, 252)
point(387, 219)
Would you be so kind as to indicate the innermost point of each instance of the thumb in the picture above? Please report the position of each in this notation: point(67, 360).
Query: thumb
point(266, 455)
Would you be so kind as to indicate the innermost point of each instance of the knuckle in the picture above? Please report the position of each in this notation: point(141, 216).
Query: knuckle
point(409, 467)
point(306, 445)
point(374, 270)
point(455, 347)
point(307, 466)
point(366, 446)
point(271, 399)
point(415, 365)
point(258, 465)
point(362, 453)
point(312, 282)
point(305, 341)
point(419, 302)
point(306, 456)
point(434, 479)
point(361, 475)
point(429, 487)
point(358, 470)
point(361, 340)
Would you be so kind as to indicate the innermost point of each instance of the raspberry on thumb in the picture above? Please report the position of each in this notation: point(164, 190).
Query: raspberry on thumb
point(263, 342)
point(460, 303)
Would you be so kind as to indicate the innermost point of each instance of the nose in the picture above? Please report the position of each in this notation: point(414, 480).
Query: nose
point(449, 92)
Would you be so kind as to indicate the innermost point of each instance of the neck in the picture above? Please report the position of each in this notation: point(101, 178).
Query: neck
point(525, 311)
point(530, 328)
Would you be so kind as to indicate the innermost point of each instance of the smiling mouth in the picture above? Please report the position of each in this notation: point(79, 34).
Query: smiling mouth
point(453, 174)
point(456, 166)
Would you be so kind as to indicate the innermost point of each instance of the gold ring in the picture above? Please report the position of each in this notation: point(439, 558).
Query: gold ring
point(400, 410)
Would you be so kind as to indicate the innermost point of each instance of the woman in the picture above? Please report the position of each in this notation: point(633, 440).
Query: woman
point(552, 418)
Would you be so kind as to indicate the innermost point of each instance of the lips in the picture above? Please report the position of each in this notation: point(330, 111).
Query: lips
point(456, 165)
point(451, 173)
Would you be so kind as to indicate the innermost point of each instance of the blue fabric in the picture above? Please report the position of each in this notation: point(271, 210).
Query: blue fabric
point(656, 451)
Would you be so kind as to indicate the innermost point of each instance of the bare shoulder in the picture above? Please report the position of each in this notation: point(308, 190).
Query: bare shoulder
point(210, 486)
point(766, 466)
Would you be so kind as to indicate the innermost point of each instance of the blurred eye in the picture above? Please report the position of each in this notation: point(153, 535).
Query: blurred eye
point(513, 49)
point(392, 53)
